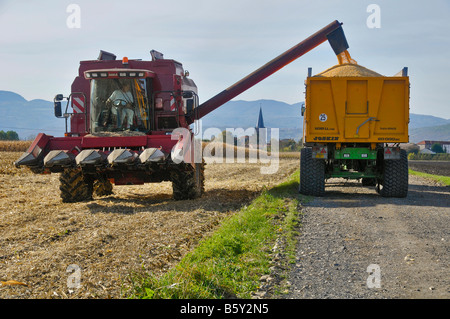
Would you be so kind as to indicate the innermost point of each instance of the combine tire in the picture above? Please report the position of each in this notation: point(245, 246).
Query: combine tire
point(103, 187)
point(395, 177)
point(74, 186)
point(312, 174)
point(188, 183)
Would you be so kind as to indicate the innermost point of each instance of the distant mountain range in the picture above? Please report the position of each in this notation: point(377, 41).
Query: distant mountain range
point(430, 133)
point(288, 119)
point(244, 114)
point(28, 118)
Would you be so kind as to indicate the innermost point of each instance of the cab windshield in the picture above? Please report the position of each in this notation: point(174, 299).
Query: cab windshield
point(118, 105)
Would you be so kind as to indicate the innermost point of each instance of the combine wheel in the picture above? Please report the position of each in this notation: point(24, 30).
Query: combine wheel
point(188, 184)
point(74, 186)
point(395, 177)
point(312, 174)
point(103, 187)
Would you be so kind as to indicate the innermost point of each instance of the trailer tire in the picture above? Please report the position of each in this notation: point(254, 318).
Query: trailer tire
point(312, 174)
point(395, 177)
point(188, 183)
point(74, 186)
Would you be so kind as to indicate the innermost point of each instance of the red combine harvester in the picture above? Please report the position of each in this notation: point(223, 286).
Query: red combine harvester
point(123, 128)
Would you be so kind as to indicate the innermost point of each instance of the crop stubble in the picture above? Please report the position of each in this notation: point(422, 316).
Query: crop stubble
point(138, 229)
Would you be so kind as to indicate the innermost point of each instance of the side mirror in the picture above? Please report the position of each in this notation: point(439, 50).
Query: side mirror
point(58, 111)
point(303, 109)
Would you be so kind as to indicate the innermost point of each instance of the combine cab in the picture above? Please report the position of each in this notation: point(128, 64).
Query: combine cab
point(128, 122)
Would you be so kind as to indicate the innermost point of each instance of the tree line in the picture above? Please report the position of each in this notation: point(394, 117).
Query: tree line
point(9, 136)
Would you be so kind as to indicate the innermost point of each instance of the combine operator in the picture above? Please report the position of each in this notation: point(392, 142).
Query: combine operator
point(121, 102)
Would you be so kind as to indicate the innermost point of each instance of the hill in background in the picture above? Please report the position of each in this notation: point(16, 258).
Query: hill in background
point(433, 133)
point(28, 118)
point(288, 119)
point(244, 114)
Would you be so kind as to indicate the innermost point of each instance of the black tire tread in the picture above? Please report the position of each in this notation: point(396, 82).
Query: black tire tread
point(74, 187)
point(185, 184)
point(312, 174)
point(103, 187)
point(395, 177)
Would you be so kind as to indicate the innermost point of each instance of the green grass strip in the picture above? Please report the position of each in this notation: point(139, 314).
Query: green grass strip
point(445, 180)
point(230, 262)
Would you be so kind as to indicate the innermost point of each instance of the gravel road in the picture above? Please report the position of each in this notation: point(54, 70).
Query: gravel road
point(352, 227)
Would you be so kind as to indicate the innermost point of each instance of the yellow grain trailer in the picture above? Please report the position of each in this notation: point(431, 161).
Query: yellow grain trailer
point(354, 122)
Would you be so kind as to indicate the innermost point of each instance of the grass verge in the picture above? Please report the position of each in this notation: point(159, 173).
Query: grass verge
point(230, 262)
point(445, 180)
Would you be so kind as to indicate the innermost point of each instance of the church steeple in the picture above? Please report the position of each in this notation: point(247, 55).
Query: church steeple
point(260, 122)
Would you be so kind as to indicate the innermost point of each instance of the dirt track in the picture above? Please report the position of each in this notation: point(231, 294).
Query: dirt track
point(353, 227)
point(139, 228)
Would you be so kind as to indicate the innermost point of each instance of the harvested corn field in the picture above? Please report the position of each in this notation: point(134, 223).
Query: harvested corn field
point(137, 229)
point(343, 70)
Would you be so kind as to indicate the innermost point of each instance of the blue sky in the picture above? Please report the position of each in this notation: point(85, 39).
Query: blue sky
point(220, 42)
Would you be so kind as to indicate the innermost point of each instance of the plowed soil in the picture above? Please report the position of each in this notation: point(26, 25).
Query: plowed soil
point(431, 167)
point(137, 229)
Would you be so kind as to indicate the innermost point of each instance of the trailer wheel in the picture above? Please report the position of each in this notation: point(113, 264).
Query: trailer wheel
point(312, 174)
point(74, 186)
point(395, 177)
point(188, 183)
point(103, 187)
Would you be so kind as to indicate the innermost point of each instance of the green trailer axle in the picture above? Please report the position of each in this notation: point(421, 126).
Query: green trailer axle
point(383, 166)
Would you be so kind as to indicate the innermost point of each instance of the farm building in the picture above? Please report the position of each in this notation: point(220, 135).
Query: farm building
point(428, 144)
